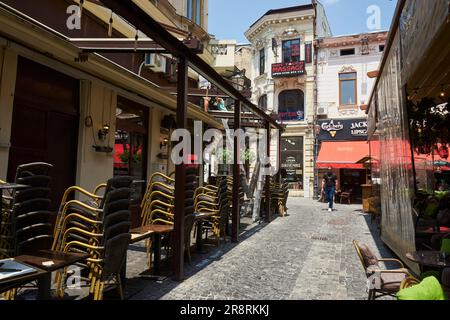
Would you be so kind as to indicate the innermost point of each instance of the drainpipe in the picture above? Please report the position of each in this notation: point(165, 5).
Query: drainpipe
point(316, 141)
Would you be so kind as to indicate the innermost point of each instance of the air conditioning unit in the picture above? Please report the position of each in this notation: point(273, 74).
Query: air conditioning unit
point(322, 110)
point(156, 62)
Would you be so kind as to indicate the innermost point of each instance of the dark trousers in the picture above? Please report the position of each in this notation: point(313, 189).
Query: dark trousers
point(329, 192)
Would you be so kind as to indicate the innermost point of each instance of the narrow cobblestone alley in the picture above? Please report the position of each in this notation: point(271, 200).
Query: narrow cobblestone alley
point(307, 255)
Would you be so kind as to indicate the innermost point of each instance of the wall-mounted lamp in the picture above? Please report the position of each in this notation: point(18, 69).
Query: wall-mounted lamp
point(164, 143)
point(103, 132)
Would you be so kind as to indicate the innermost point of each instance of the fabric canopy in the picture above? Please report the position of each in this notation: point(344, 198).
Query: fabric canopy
point(342, 155)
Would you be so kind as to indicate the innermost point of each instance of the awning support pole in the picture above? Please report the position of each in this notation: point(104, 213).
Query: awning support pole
point(180, 174)
point(235, 221)
point(279, 157)
point(267, 192)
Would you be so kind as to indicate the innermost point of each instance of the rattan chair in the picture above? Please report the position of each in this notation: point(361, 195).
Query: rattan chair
point(382, 282)
point(102, 232)
point(158, 205)
point(217, 204)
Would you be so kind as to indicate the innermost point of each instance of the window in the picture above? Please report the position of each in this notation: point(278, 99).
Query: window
point(194, 11)
point(262, 61)
point(348, 52)
point(291, 51)
point(291, 105)
point(381, 48)
point(262, 103)
point(347, 89)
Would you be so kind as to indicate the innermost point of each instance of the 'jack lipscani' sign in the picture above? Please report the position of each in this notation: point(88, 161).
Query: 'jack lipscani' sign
point(343, 130)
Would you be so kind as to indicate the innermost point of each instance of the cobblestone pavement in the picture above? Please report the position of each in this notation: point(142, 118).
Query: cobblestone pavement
point(308, 255)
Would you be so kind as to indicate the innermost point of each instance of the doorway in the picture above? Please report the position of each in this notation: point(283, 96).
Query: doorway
point(45, 124)
point(130, 155)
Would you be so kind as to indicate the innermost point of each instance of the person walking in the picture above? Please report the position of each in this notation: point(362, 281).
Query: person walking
point(329, 183)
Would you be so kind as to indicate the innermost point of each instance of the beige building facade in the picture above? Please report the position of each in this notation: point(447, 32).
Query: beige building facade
point(283, 84)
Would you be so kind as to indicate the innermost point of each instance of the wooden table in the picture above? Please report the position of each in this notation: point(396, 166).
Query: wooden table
point(9, 284)
point(199, 219)
point(429, 259)
point(145, 232)
point(44, 274)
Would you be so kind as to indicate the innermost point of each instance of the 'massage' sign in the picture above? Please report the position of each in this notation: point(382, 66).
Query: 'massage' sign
point(343, 130)
point(290, 69)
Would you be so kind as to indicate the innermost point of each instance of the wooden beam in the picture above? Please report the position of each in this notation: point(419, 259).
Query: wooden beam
point(236, 174)
point(126, 45)
point(131, 12)
point(180, 175)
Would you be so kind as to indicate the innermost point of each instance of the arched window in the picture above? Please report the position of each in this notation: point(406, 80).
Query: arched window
point(291, 105)
point(262, 103)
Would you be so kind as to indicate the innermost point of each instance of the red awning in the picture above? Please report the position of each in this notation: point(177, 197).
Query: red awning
point(342, 155)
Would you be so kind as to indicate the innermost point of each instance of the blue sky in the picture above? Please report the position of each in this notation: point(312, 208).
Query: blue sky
point(229, 19)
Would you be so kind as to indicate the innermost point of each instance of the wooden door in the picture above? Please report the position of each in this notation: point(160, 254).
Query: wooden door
point(45, 124)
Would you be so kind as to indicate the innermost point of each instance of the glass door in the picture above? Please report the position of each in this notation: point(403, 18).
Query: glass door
point(130, 157)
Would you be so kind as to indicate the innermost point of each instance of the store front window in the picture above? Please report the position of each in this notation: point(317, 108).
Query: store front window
point(291, 105)
point(292, 162)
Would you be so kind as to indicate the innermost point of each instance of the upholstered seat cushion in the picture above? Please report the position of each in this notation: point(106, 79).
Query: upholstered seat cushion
point(428, 289)
point(391, 281)
point(369, 258)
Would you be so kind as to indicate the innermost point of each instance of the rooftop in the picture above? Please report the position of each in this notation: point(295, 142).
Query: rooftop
point(285, 10)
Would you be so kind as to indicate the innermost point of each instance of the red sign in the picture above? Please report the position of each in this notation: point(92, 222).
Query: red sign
point(290, 69)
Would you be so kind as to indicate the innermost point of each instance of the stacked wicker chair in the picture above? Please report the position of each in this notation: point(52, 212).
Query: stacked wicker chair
point(214, 200)
point(24, 226)
point(158, 205)
point(101, 230)
point(279, 194)
point(158, 201)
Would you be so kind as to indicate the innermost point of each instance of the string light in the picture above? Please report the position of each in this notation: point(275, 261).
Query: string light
point(110, 27)
point(81, 7)
point(136, 38)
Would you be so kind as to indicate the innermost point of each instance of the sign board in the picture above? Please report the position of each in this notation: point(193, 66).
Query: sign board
point(343, 130)
point(290, 69)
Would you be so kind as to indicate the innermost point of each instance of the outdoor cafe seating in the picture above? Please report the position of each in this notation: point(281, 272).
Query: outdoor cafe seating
point(383, 282)
point(25, 213)
point(279, 193)
point(92, 229)
point(158, 204)
point(102, 231)
point(212, 202)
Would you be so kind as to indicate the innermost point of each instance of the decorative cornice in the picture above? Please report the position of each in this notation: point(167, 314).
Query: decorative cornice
point(263, 25)
point(347, 69)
